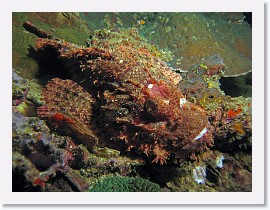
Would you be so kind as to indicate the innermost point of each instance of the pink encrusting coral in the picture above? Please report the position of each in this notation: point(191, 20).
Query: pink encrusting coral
point(127, 96)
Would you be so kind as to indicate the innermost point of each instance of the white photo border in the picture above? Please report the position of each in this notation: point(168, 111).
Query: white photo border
point(257, 196)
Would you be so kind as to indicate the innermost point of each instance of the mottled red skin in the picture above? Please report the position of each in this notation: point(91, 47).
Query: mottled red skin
point(59, 119)
point(140, 85)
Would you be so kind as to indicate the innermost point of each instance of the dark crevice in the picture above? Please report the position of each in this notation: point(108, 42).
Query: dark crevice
point(237, 86)
point(48, 62)
point(248, 17)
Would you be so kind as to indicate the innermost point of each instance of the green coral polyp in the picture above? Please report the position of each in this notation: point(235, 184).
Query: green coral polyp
point(124, 184)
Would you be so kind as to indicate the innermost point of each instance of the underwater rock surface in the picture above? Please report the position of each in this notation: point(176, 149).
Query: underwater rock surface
point(115, 107)
point(190, 36)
